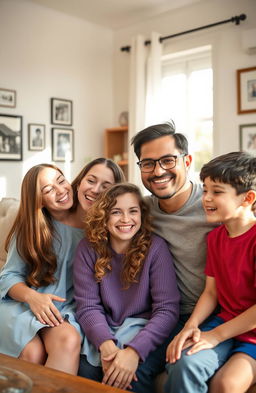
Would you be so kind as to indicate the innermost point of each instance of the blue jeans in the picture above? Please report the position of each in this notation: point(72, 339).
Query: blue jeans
point(146, 372)
point(190, 374)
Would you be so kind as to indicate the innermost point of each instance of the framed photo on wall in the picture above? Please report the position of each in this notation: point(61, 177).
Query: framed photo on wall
point(246, 90)
point(7, 98)
point(248, 138)
point(36, 137)
point(61, 112)
point(10, 137)
point(62, 144)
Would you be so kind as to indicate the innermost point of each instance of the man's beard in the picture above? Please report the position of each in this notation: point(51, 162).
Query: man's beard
point(168, 196)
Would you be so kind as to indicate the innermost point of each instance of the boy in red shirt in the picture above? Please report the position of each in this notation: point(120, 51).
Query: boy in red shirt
point(230, 337)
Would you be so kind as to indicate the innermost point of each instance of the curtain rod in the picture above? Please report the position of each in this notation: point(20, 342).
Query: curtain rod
point(234, 19)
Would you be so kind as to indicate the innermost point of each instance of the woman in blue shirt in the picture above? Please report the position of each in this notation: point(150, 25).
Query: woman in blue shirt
point(36, 286)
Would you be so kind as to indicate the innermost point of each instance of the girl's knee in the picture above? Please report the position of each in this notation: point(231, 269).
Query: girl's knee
point(33, 357)
point(34, 352)
point(69, 340)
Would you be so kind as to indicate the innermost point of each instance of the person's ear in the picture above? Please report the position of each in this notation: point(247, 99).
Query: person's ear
point(249, 198)
point(188, 160)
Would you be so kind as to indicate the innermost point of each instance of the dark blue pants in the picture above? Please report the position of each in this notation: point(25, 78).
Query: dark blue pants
point(146, 372)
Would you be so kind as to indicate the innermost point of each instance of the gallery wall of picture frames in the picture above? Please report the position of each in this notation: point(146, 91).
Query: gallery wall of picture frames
point(246, 104)
point(62, 139)
point(61, 114)
point(246, 90)
point(36, 137)
point(10, 137)
point(247, 134)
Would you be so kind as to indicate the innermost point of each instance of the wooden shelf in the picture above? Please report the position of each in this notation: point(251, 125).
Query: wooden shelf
point(115, 145)
point(123, 162)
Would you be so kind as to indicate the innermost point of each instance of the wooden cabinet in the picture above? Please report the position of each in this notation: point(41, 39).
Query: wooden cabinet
point(116, 146)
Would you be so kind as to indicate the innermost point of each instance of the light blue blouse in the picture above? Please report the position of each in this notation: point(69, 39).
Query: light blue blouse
point(18, 325)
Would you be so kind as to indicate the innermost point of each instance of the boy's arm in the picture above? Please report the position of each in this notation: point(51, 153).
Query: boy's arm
point(190, 333)
point(205, 305)
point(243, 323)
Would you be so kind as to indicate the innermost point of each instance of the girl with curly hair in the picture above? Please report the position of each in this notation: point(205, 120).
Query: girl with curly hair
point(36, 286)
point(125, 290)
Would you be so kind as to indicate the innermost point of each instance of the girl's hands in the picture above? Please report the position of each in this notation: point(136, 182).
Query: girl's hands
point(107, 348)
point(42, 306)
point(187, 337)
point(121, 371)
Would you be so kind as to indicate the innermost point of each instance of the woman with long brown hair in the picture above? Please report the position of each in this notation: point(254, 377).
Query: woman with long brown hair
point(36, 285)
point(125, 290)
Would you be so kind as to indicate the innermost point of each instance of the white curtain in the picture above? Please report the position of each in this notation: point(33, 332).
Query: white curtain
point(136, 100)
point(153, 81)
point(145, 79)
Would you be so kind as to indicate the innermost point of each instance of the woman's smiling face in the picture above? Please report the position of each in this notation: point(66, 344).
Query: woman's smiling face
point(96, 180)
point(124, 221)
point(57, 193)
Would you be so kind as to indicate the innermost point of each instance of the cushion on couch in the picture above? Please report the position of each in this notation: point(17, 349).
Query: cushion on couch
point(8, 210)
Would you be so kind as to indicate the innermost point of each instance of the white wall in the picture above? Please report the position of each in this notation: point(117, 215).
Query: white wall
point(45, 54)
point(228, 56)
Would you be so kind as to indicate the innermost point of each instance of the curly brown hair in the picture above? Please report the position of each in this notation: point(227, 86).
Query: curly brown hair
point(98, 235)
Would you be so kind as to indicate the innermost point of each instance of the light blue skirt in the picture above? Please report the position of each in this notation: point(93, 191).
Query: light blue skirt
point(123, 335)
point(18, 325)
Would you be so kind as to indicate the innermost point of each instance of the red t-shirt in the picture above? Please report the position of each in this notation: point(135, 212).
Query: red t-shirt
point(232, 262)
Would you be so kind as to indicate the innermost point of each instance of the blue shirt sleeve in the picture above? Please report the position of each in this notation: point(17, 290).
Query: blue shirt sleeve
point(13, 272)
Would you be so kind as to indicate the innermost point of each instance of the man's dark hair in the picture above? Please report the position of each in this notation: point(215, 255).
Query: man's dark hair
point(158, 131)
point(237, 169)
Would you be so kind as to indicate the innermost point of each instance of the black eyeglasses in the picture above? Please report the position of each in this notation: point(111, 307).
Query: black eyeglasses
point(166, 162)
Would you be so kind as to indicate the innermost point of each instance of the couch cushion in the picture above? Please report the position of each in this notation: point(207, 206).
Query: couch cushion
point(8, 211)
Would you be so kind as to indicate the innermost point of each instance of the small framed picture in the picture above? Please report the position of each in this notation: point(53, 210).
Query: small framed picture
point(62, 144)
point(7, 98)
point(10, 137)
point(246, 90)
point(36, 137)
point(248, 138)
point(61, 112)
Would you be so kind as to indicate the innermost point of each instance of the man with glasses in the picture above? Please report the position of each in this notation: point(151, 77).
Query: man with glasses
point(177, 210)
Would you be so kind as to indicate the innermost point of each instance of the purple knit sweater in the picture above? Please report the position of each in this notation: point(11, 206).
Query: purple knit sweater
point(100, 305)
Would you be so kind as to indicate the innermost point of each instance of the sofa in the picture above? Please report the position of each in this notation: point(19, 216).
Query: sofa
point(8, 211)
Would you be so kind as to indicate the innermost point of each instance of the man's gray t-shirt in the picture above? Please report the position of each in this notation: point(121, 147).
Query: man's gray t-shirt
point(185, 231)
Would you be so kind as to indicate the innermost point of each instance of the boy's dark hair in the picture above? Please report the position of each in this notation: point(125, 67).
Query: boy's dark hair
point(157, 131)
point(237, 169)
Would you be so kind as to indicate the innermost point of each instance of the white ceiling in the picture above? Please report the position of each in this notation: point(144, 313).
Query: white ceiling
point(114, 14)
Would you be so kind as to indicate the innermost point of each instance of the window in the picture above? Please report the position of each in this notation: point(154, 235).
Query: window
point(187, 98)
